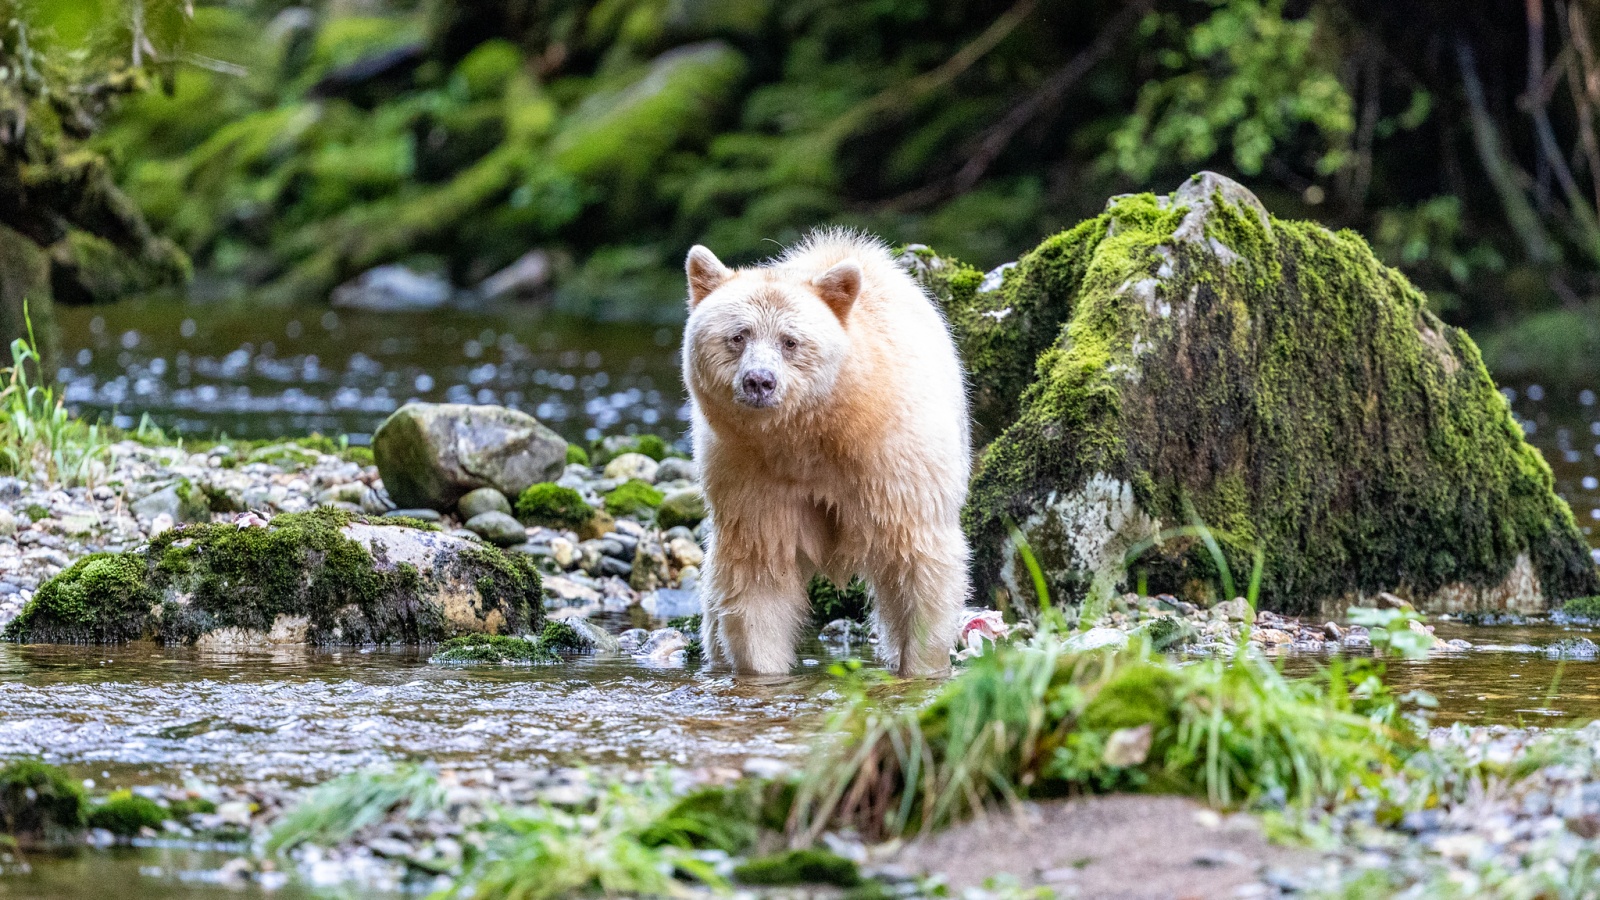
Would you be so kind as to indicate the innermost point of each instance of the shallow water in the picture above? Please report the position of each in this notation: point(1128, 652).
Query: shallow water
point(148, 714)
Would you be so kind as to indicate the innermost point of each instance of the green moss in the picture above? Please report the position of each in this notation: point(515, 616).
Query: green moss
point(730, 818)
point(561, 637)
point(576, 455)
point(205, 577)
point(809, 866)
point(101, 598)
point(553, 506)
point(633, 498)
point(183, 809)
point(1286, 389)
point(829, 602)
point(492, 648)
point(37, 511)
point(124, 814)
point(39, 802)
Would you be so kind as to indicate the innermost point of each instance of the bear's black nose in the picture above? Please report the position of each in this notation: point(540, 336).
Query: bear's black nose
point(759, 385)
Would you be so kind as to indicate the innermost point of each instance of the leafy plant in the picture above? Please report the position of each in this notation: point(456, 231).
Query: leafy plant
point(1391, 631)
point(334, 811)
point(38, 437)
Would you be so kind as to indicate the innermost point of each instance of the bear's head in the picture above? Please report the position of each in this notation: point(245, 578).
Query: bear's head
point(767, 340)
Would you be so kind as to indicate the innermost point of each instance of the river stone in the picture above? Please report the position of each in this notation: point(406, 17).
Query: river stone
point(685, 507)
point(497, 528)
point(675, 468)
point(430, 454)
point(392, 288)
point(320, 577)
point(629, 466)
point(1190, 356)
point(482, 500)
point(182, 501)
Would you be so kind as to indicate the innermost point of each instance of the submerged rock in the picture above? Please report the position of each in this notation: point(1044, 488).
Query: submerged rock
point(393, 288)
point(1191, 357)
point(320, 577)
point(432, 454)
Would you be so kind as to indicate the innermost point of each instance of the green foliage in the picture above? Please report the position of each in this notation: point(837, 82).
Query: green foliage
point(633, 498)
point(335, 811)
point(829, 601)
point(553, 506)
point(550, 852)
point(1554, 347)
point(799, 867)
point(1246, 77)
point(1391, 631)
point(1582, 608)
point(39, 802)
point(125, 813)
point(38, 438)
point(577, 455)
point(1033, 721)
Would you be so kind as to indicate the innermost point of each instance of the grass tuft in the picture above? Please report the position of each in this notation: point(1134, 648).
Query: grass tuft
point(335, 811)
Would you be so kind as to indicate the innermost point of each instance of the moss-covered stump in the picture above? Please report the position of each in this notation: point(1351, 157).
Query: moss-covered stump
point(1191, 358)
point(321, 577)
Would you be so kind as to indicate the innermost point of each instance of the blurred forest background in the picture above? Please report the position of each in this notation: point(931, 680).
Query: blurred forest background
point(276, 150)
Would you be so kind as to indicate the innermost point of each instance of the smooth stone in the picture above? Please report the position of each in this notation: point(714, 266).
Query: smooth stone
point(497, 528)
point(482, 500)
point(598, 639)
point(392, 288)
point(686, 508)
point(431, 454)
point(629, 543)
point(423, 515)
point(670, 603)
point(675, 468)
point(631, 466)
point(525, 279)
point(563, 551)
point(610, 565)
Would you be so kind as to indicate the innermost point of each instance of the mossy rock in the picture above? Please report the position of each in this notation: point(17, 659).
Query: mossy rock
point(125, 813)
point(320, 577)
point(1191, 358)
point(553, 506)
point(633, 498)
point(39, 803)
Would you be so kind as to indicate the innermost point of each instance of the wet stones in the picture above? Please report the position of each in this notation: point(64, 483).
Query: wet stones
point(432, 454)
point(482, 500)
point(497, 528)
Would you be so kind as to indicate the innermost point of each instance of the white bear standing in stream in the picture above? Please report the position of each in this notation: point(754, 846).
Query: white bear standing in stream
point(830, 428)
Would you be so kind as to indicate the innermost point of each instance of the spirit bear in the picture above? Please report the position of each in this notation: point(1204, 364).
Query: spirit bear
point(830, 427)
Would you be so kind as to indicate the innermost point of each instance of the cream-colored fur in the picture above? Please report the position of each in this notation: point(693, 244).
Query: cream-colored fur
point(855, 462)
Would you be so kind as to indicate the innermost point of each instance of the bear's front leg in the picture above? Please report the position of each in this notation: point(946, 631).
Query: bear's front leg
point(752, 627)
point(917, 608)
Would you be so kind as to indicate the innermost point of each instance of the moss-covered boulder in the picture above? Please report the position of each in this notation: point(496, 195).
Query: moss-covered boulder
point(1190, 358)
point(39, 803)
point(321, 577)
point(432, 454)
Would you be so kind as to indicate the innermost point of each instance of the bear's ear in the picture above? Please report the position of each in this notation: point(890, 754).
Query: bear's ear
point(706, 273)
point(839, 286)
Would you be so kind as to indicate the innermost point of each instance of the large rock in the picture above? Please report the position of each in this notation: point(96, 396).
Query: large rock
point(431, 454)
point(393, 288)
point(1191, 358)
point(321, 577)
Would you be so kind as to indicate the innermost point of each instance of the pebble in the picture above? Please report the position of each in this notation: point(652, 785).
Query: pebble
point(497, 528)
point(482, 500)
point(629, 466)
point(675, 468)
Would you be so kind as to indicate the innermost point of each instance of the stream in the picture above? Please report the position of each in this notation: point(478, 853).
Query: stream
point(143, 714)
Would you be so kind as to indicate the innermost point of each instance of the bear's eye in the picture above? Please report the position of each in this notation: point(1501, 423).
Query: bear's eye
point(737, 340)
point(790, 343)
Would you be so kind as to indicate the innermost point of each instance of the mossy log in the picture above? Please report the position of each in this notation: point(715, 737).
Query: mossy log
point(1190, 358)
point(323, 577)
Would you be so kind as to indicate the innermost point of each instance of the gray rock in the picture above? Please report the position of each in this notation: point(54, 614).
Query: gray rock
point(497, 528)
point(376, 502)
point(628, 542)
point(430, 454)
point(1573, 648)
point(598, 639)
point(482, 500)
point(670, 603)
point(675, 468)
point(424, 515)
point(527, 278)
point(393, 288)
point(632, 639)
point(630, 466)
point(650, 567)
point(8, 523)
point(610, 565)
point(610, 546)
point(182, 501)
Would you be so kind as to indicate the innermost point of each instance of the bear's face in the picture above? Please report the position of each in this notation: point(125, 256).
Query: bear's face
point(764, 341)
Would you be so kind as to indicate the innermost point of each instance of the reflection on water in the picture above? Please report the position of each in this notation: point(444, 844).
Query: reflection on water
point(144, 713)
point(210, 369)
point(145, 873)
